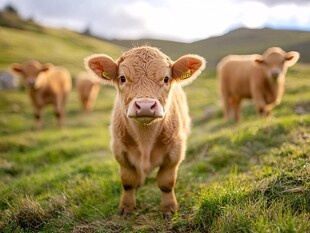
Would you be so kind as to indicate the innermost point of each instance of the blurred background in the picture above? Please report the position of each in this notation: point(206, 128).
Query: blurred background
point(61, 32)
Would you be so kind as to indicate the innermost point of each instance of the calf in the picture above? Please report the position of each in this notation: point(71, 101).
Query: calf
point(46, 84)
point(150, 120)
point(87, 88)
point(260, 77)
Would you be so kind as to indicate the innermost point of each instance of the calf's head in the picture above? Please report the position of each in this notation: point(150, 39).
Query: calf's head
point(30, 70)
point(275, 61)
point(144, 78)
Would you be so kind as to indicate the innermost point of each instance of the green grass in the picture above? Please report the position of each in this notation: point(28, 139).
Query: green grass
point(246, 177)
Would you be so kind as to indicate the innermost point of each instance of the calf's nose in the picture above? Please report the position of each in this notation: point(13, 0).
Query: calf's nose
point(275, 74)
point(145, 108)
point(31, 83)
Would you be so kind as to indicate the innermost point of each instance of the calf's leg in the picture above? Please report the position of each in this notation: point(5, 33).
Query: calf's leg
point(267, 109)
point(130, 180)
point(235, 105)
point(37, 115)
point(227, 107)
point(260, 105)
point(59, 109)
point(166, 179)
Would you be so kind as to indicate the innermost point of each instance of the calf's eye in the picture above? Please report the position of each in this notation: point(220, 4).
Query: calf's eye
point(166, 79)
point(122, 79)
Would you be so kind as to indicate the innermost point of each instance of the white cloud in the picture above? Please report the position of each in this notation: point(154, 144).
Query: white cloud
point(279, 2)
point(290, 16)
point(254, 14)
point(181, 20)
point(196, 20)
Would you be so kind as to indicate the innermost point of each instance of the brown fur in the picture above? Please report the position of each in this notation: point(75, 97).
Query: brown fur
point(46, 84)
point(87, 88)
point(141, 145)
point(260, 77)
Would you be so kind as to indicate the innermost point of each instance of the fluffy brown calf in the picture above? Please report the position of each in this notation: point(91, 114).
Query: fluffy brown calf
point(46, 84)
point(150, 120)
point(260, 77)
point(87, 88)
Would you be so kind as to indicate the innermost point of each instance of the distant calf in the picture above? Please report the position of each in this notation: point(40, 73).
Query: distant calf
point(46, 84)
point(150, 121)
point(87, 88)
point(261, 77)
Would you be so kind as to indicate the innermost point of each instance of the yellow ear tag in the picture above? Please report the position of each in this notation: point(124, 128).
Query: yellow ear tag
point(105, 75)
point(186, 74)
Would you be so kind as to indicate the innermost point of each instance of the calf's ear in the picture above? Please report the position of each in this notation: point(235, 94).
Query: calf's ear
point(187, 68)
point(259, 59)
point(16, 67)
point(291, 58)
point(46, 67)
point(103, 66)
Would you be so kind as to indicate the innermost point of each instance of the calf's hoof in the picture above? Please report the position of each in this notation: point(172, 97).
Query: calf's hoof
point(169, 210)
point(125, 210)
point(168, 215)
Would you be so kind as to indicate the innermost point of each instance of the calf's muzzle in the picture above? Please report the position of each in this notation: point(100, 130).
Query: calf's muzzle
point(145, 109)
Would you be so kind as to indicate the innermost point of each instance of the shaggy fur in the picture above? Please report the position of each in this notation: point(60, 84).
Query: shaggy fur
point(46, 84)
point(87, 88)
point(141, 145)
point(260, 77)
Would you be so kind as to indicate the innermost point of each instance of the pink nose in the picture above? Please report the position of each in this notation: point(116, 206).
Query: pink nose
point(145, 107)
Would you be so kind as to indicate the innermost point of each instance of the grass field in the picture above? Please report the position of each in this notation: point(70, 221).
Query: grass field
point(248, 177)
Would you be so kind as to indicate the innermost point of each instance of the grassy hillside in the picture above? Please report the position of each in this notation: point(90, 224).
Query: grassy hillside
point(247, 41)
point(21, 40)
point(9, 17)
point(60, 47)
point(240, 41)
point(247, 177)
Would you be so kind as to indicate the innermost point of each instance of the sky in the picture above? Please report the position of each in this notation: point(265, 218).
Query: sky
point(178, 20)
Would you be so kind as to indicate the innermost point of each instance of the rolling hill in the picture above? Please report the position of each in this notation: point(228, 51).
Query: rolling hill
point(21, 40)
point(239, 41)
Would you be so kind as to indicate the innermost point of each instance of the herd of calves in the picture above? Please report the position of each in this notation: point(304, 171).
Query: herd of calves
point(48, 84)
point(150, 121)
point(257, 77)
